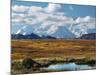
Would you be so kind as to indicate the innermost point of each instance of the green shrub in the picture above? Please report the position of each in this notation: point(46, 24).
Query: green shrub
point(17, 65)
point(28, 63)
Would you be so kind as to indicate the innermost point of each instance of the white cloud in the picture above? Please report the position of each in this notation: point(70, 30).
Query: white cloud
point(21, 8)
point(48, 19)
point(30, 21)
point(35, 9)
point(51, 8)
point(41, 17)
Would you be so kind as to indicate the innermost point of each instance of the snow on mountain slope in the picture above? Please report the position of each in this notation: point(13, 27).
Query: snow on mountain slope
point(52, 20)
point(25, 30)
point(55, 31)
point(64, 31)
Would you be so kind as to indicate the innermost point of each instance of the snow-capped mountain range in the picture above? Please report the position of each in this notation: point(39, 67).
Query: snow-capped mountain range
point(64, 31)
point(55, 20)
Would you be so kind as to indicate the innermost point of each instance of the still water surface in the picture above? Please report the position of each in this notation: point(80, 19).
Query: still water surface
point(69, 67)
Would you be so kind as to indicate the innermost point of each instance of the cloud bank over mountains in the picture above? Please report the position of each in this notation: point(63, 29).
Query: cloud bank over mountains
point(49, 20)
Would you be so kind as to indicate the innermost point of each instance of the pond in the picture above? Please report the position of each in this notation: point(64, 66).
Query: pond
point(69, 67)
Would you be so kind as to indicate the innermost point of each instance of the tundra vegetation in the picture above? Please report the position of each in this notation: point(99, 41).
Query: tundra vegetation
point(30, 56)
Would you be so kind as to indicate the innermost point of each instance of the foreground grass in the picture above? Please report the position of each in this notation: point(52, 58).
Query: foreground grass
point(54, 51)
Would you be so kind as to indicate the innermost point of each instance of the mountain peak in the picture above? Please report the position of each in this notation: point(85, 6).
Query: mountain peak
point(64, 31)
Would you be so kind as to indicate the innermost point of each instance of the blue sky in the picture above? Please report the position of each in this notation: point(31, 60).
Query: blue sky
point(72, 10)
point(46, 18)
